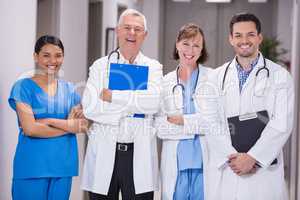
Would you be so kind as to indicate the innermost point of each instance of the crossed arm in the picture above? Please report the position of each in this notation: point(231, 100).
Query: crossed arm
point(50, 127)
point(109, 106)
point(137, 101)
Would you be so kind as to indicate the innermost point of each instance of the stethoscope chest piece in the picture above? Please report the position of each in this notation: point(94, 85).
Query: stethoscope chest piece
point(178, 92)
point(177, 96)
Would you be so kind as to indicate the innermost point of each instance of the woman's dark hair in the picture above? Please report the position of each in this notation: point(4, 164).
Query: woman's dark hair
point(245, 17)
point(47, 39)
point(191, 30)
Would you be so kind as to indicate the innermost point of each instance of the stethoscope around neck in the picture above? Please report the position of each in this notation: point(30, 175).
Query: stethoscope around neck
point(110, 55)
point(256, 74)
point(115, 51)
point(181, 87)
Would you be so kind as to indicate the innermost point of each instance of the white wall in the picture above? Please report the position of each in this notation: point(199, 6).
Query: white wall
point(73, 30)
point(151, 9)
point(109, 19)
point(74, 33)
point(17, 37)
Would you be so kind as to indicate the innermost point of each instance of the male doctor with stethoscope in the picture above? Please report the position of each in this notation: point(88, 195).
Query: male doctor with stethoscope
point(248, 84)
point(121, 153)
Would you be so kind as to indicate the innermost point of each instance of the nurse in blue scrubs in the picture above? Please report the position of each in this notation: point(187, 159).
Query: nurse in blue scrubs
point(183, 157)
point(49, 116)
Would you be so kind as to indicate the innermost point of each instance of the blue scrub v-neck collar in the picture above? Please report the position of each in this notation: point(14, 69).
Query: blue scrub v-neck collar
point(43, 92)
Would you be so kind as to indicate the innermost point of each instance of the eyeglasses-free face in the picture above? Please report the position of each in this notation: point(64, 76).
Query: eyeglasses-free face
point(189, 50)
point(49, 59)
point(245, 39)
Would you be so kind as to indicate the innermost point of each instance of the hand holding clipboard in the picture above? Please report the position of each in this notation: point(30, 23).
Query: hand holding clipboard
point(245, 131)
point(128, 77)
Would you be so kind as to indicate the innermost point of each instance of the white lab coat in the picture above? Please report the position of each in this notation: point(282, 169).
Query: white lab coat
point(206, 121)
point(111, 119)
point(267, 183)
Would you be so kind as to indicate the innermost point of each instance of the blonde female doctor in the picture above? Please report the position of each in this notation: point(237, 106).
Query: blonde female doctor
point(181, 127)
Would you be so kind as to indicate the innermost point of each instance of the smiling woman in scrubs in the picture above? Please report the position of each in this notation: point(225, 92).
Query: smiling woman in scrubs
point(189, 48)
point(191, 124)
point(182, 159)
point(49, 114)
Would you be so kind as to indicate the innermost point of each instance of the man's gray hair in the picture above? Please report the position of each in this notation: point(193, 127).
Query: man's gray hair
point(133, 12)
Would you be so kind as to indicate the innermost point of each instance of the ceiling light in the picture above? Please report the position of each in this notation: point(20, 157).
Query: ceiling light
point(218, 1)
point(182, 0)
point(257, 1)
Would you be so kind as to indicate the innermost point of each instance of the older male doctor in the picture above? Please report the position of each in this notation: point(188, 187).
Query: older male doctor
point(121, 153)
point(251, 84)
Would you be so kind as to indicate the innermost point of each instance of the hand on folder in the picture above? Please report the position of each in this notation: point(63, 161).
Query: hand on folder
point(106, 95)
point(245, 130)
point(242, 163)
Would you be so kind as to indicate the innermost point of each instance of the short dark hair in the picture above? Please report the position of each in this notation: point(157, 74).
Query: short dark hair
point(48, 39)
point(191, 30)
point(245, 17)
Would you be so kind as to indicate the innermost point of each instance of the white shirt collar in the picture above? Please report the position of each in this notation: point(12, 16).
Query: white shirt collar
point(137, 59)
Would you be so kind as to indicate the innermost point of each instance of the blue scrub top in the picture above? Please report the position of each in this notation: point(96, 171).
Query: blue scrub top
point(45, 157)
point(189, 153)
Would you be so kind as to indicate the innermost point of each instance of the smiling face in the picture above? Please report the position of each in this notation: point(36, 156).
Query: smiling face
point(131, 34)
point(189, 50)
point(49, 59)
point(245, 39)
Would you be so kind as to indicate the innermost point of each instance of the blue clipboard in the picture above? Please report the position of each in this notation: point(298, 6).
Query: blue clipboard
point(128, 77)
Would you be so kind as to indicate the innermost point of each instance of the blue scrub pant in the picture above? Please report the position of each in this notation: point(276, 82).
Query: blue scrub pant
point(189, 185)
point(41, 188)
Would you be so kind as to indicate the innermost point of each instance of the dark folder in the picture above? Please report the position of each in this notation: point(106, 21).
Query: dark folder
point(128, 77)
point(246, 130)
